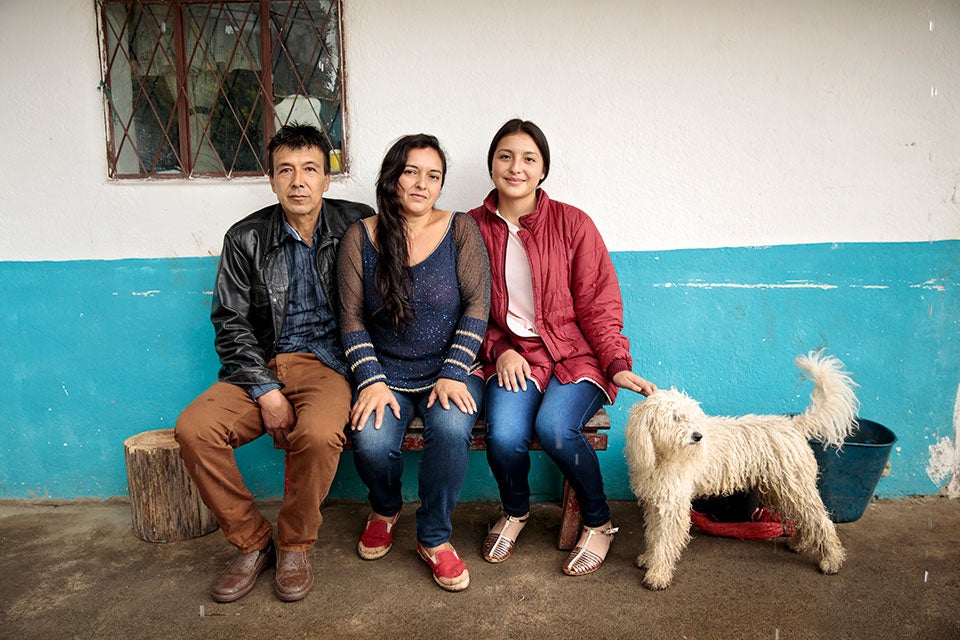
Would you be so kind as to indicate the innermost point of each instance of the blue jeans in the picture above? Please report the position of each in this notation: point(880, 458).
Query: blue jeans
point(556, 416)
point(446, 436)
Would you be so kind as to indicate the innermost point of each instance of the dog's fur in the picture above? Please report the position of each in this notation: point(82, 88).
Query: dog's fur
point(676, 453)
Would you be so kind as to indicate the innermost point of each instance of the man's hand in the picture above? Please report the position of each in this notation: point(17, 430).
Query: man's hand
point(278, 417)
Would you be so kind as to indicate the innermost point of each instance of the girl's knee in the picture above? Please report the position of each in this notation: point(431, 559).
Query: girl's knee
point(554, 433)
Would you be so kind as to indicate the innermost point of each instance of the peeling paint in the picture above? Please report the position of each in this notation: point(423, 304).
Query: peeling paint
point(145, 294)
point(930, 285)
point(942, 460)
point(952, 489)
point(736, 285)
point(785, 285)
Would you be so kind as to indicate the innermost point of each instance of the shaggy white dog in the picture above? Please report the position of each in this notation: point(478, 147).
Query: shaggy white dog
point(676, 453)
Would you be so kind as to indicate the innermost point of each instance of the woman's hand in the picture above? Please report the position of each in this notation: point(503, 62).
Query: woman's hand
point(446, 391)
point(373, 399)
point(512, 371)
point(631, 381)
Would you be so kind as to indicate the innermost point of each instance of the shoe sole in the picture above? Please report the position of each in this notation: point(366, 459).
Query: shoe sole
point(453, 588)
point(374, 553)
point(293, 597)
point(233, 597)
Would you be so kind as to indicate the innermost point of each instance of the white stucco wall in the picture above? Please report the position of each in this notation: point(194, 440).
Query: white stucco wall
point(675, 123)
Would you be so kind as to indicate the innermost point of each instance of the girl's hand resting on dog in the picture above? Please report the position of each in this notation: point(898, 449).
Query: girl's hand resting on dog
point(632, 382)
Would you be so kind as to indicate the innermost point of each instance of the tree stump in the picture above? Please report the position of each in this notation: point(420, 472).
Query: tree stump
point(165, 502)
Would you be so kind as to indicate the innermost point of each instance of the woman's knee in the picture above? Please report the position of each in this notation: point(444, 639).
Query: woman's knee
point(448, 426)
point(370, 444)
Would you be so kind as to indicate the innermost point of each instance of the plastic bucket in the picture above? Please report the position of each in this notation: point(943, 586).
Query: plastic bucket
point(848, 477)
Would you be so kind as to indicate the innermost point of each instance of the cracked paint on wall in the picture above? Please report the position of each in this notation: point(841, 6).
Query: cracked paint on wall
point(945, 458)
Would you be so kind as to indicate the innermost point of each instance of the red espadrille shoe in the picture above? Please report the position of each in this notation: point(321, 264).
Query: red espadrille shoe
point(377, 537)
point(449, 571)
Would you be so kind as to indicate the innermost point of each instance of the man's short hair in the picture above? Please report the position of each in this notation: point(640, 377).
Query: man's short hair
point(299, 136)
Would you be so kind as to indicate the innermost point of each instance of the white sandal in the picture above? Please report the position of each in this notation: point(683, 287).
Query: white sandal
point(582, 560)
point(497, 547)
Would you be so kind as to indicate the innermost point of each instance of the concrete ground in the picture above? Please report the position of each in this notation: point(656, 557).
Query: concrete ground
point(76, 571)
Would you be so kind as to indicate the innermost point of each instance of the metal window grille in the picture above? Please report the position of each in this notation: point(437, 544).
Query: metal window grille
point(198, 87)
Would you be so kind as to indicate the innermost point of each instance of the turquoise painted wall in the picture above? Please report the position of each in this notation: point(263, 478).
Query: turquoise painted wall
point(96, 351)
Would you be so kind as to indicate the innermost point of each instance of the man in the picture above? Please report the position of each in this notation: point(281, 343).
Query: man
point(282, 368)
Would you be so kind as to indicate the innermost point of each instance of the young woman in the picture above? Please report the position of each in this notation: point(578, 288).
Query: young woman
point(553, 351)
point(415, 293)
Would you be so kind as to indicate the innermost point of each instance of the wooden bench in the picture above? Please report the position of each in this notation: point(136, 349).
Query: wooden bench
point(594, 430)
point(166, 506)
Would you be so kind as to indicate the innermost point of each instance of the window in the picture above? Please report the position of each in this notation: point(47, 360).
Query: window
point(198, 87)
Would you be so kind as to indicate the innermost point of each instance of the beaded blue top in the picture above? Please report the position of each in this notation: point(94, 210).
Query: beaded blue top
point(450, 297)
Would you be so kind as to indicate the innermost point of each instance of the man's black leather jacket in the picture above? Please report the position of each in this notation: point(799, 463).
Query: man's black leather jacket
point(250, 296)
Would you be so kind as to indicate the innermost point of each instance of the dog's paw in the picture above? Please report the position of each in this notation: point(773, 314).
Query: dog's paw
point(656, 582)
point(640, 561)
point(830, 567)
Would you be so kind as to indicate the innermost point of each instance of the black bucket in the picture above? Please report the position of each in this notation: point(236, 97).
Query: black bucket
point(848, 477)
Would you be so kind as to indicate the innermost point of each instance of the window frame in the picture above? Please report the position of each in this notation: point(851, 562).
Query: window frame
point(270, 45)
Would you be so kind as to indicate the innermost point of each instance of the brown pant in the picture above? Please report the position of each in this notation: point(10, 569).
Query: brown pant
point(224, 417)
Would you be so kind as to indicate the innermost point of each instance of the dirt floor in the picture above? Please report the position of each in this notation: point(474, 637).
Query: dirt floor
point(75, 570)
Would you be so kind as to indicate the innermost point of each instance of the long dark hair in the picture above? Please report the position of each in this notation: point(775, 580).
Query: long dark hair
point(522, 126)
point(393, 275)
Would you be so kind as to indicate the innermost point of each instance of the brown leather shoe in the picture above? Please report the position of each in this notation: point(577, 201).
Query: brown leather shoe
point(294, 575)
point(240, 576)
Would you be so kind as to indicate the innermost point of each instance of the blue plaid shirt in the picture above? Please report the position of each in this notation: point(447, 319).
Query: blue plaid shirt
point(309, 326)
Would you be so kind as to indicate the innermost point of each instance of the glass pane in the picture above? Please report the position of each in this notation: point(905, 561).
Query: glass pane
point(223, 87)
point(141, 80)
point(306, 65)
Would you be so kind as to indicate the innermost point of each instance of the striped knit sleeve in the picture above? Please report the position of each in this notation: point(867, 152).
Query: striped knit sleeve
point(357, 344)
point(461, 359)
point(473, 274)
point(362, 359)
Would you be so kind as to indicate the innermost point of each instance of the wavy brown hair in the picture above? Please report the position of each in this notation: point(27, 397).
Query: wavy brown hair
point(393, 275)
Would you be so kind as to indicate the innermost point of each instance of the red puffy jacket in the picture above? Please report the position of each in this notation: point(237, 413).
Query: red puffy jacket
point(579, 312)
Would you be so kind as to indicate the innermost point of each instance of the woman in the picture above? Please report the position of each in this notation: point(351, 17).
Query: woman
point(415, 294)
point(554, 344)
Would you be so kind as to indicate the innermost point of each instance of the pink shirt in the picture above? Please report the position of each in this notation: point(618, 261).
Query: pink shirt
point(521, 312)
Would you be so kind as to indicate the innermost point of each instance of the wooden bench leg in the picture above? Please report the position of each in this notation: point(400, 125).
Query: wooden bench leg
point(570, 520)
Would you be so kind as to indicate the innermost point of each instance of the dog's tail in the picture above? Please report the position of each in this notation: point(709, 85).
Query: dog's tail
point(831, 416)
